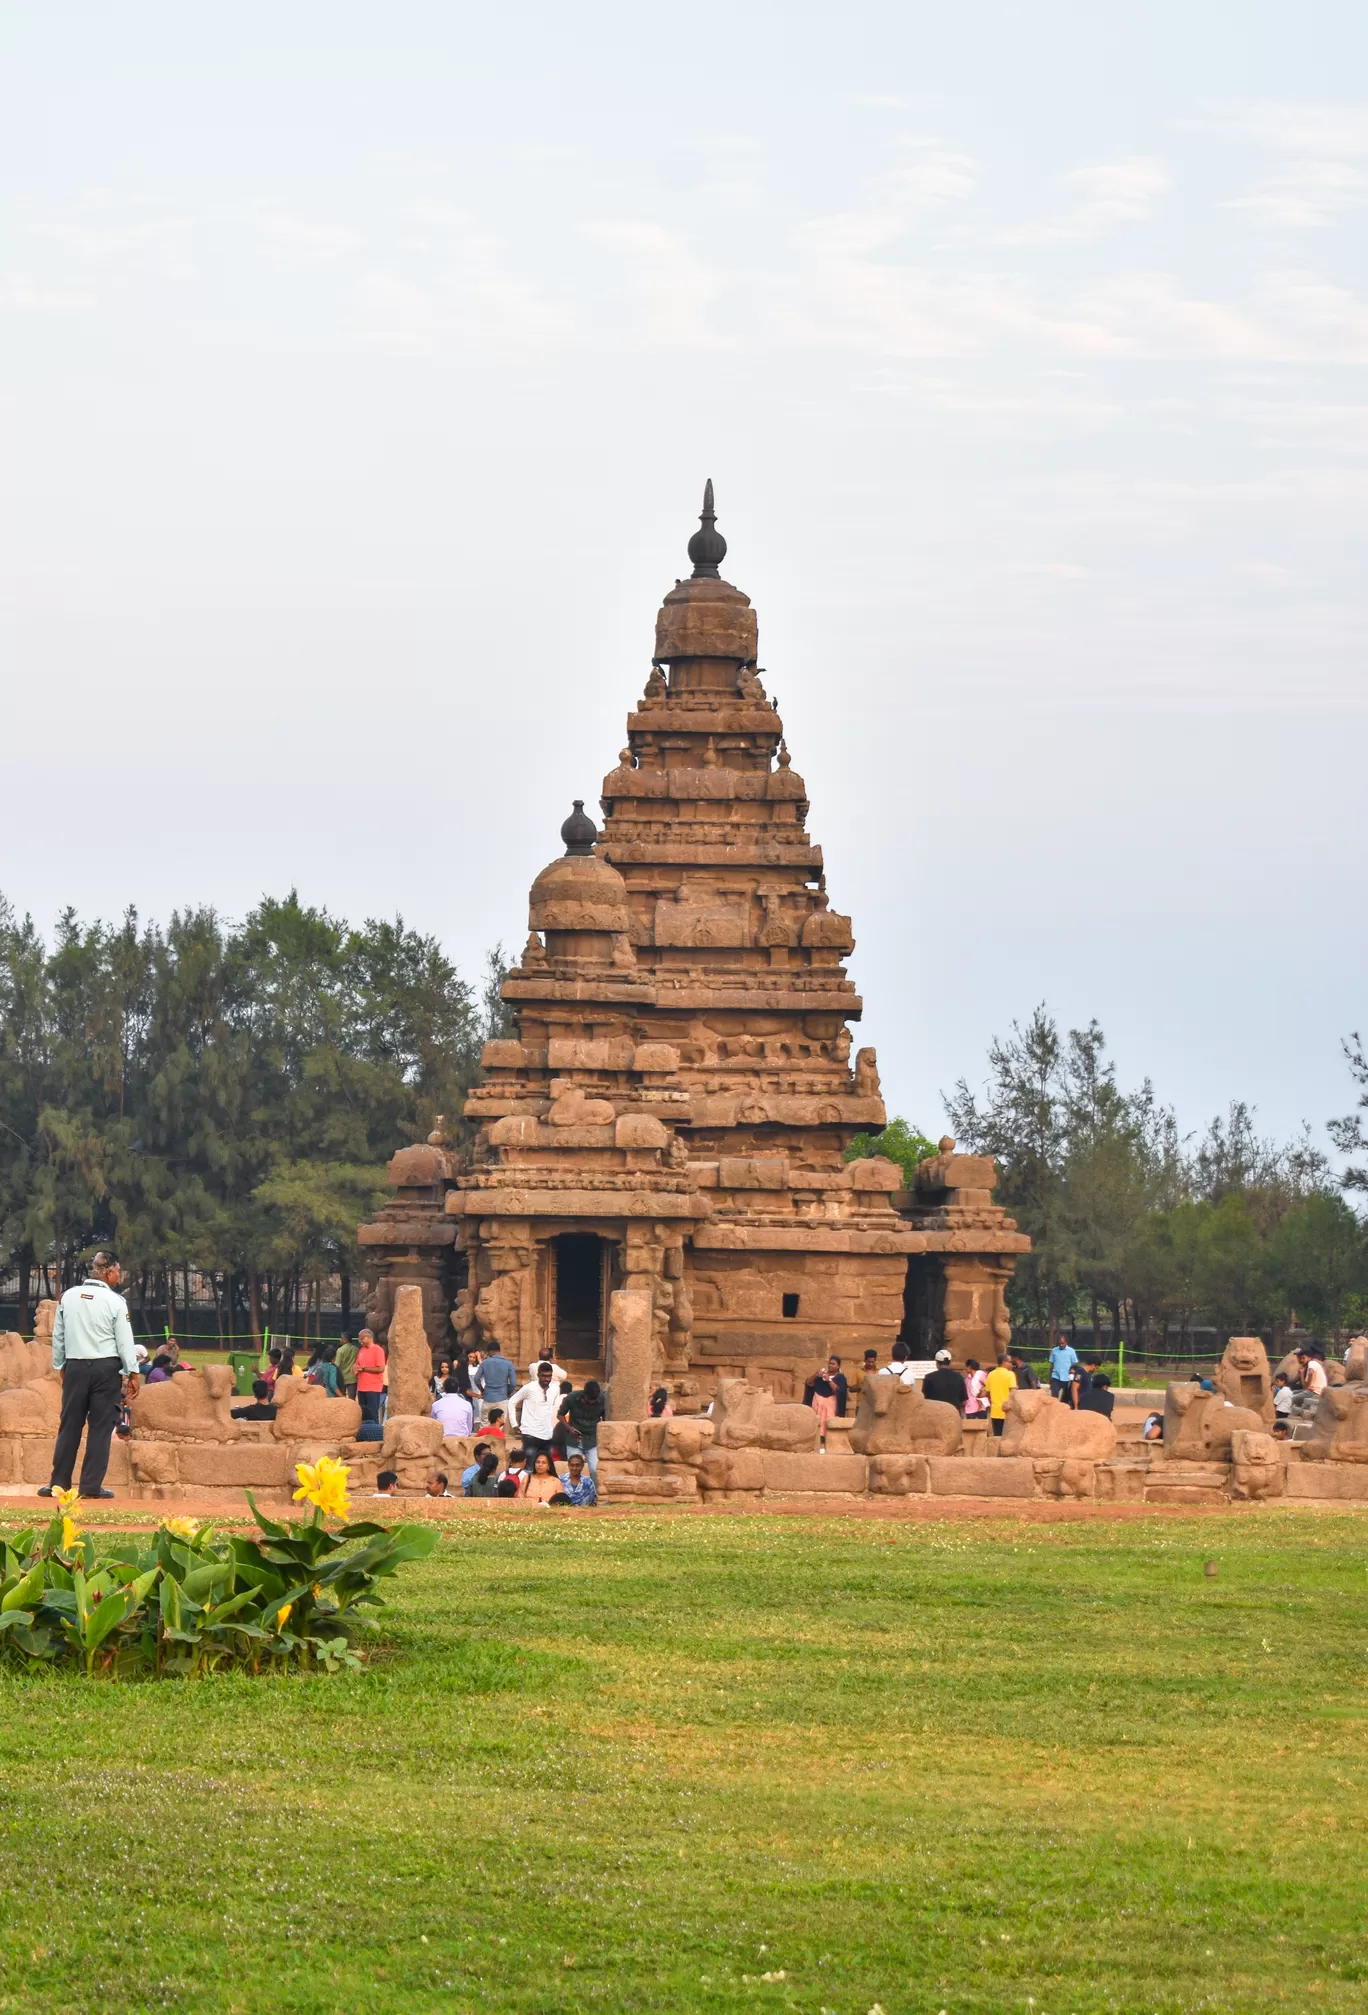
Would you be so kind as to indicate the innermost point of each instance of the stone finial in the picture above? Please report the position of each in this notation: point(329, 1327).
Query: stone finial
point(707, 547)
point(945, 1145)
point(579, 831)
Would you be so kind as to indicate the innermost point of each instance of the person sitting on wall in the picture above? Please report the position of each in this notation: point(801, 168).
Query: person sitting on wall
point(260, 1408)
point(945, 1383)
point(386, 1483)
point(1312, 1375)
point(1153, 1429)
point(160, 1373)
point(493, 1424)
point(437, 1485)
point(580, 1488)
point(1097, 1396)
point(272, 1371)
point(453, 1409)
point(482, 1478)
point(660, 1406)
point(543, 1485)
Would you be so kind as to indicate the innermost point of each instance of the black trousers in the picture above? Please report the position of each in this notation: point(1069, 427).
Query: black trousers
point(91, 1391)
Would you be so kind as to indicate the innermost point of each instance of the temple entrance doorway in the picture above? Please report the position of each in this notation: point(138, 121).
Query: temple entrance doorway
point(923, 1320)
point(578, 1260)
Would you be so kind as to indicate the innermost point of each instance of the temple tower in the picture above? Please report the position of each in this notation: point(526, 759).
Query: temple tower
point(659, 1189)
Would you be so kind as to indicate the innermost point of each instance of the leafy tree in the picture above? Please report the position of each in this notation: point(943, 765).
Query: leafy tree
point(218, 1097)
point(900, 1142)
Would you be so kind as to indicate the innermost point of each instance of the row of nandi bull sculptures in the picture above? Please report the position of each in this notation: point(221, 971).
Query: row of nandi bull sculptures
point(1216, 1445)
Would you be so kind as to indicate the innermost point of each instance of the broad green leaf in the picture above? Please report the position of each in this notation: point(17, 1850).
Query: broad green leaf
point(25, 1593)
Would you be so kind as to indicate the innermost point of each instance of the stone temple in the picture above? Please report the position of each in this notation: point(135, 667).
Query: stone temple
point(658, 1189)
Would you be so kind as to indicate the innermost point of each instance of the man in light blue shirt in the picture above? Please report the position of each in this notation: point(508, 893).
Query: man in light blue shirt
point(92, 1347)
point(1063, 1358)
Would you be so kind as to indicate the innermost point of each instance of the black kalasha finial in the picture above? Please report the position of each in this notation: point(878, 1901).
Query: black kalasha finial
point(707, 547)
point(579, 831)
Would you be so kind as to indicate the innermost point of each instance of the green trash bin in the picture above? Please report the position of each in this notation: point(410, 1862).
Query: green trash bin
point(244, 1363)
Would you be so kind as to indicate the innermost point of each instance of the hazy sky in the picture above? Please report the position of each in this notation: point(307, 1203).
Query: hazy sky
point(360, 368)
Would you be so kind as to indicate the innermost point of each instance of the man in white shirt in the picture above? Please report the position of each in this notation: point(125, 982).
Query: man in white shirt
point(92, 1347)
point(533, 1408)
point(453, 1409)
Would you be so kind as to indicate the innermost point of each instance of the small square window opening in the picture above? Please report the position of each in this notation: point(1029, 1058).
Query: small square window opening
point(790, 1304)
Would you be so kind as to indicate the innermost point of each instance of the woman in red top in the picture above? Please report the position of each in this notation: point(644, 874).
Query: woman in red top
point(370, 1376)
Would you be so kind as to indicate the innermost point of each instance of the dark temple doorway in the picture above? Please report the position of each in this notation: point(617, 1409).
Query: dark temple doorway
point(923, 1306)
point(579, 1294)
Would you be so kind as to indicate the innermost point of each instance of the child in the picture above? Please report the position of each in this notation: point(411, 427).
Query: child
point(1282, 1397)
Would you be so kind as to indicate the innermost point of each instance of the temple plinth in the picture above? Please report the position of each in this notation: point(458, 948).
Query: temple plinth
point(659, 1175)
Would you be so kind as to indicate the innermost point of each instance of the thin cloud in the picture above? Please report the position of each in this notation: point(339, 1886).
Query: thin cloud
point(1101, 198)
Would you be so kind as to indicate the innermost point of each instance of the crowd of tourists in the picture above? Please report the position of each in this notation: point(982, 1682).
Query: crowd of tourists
point(976, 1393)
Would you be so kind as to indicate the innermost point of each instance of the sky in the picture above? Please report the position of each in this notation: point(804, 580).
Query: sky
point(360, 370)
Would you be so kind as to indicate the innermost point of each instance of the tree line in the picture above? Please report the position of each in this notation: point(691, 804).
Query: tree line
point(1160, 1232)
point(220, 1097)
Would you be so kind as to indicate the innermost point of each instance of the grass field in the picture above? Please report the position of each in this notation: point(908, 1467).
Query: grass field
point(735, 1763)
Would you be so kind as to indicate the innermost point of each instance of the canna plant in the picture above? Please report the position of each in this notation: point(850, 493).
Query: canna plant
point(190, 1601)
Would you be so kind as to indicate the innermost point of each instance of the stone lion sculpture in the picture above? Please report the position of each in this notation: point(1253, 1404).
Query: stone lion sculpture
point(745, 1416)
point(1243, 1376)
point(1038, 1424)
point(1340, 1426)
point(1198, 1425)
point(895, 1419)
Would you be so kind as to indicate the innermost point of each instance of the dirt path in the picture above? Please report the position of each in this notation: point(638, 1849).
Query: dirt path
point(134, 1515)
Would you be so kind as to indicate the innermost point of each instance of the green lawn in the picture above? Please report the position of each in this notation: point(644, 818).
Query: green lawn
point(734, 1763)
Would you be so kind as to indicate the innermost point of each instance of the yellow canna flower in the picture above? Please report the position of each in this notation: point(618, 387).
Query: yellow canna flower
point(283, 1615)
point(324, 1483)
point(71, 1532)
point(181, 1528)
point(66, 1500)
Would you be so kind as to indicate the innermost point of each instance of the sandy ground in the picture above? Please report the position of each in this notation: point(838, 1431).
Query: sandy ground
point(116, 1516)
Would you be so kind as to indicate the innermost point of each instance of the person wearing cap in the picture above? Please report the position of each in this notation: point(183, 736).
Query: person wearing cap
point(1000, 1381)
point(945, 1383)
point(92, 1347)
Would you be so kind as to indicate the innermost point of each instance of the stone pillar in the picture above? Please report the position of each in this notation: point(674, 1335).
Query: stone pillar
point(629, 1353)
point(410, 1355)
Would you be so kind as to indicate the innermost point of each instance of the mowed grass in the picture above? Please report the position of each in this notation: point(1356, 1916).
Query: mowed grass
point(735, 1763)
